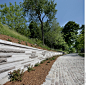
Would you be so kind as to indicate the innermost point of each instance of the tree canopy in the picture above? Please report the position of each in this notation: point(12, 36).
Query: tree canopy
point(70, 32)
point(39, 9)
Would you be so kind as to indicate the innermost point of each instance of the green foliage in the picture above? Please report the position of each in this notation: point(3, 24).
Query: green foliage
point(54, 37)
point(9, 40)
point(52, 58)
point(30, 69)
point(4, 29)
point(82, 54)
point(47, 58)
point(13, 17)
point(48, 62)
point(72, 50)
point(34, 30)
point(37, 64)
point(16, 75)
point(80, 41)
point(41, 62)
point(70, 32)
point(19, 41)
point(26, 43)
point(38, 9)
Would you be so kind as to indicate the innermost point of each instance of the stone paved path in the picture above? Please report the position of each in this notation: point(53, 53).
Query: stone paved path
point(66, 70)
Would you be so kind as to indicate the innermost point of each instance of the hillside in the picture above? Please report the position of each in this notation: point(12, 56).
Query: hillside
point(13, 36)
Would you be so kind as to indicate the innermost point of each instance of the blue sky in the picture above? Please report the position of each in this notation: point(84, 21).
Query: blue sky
point(68, 10)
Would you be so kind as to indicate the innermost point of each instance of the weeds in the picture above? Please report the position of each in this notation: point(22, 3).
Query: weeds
point(47, 58)
point(37, 64)
point(48, 62)
point(30, 69)
point(9, 39)
point(26, 43)
point(19, 41)
point(16, 75)
point(41, 62)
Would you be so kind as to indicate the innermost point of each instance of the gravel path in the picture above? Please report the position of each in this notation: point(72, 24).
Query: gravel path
point(66, 70)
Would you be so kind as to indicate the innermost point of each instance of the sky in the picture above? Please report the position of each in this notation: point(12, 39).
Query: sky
point(68, 10)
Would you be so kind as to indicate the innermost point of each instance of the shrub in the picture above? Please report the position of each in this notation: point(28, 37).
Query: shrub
point(41, 62)
point(53, 58)
point(9, 39)
point(37, 64)
point(47, 58)
point(26, 43)
point(16, 75)
point(48, 62)
point(30, 69)
point(19, 41)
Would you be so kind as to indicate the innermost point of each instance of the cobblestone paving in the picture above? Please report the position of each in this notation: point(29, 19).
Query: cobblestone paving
point(66, 70)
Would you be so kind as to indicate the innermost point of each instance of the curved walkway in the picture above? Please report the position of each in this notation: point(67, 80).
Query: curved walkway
point(66, 70)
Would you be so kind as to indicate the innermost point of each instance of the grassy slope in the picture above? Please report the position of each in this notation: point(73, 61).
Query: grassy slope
point(4, 29)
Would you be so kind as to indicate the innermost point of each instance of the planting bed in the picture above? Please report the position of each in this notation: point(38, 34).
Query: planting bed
point(37, 76)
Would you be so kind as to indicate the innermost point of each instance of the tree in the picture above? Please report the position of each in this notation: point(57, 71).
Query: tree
point(13, 17)
point(34, 30)
point(79, 44)
point(39, 9)
point(54, 37)
point(70, 32)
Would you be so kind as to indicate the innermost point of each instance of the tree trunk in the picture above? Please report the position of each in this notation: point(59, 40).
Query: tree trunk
point(42, 32)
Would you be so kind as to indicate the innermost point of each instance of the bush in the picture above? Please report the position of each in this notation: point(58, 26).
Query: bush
point(41, 62)
point(26, 43)
point(37, 64)
point(30, 69)
point(82, 54)
point(19, 41)
point(72, 50)
point(16, 75)
point(48, 62)
point(9, 39)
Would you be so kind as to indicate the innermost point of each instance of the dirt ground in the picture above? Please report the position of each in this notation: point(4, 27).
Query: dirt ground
point(36, 77)
point(8, 38)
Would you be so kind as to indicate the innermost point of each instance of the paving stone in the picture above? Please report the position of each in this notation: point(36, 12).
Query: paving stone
point(67, 70)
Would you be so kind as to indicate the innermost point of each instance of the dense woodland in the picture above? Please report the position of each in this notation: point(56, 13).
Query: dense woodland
point(69, 38)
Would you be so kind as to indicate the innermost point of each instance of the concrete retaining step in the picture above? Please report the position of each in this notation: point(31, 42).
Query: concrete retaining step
point(6, 55)
point(15, 56)
point(8, 50)
point(4, 42)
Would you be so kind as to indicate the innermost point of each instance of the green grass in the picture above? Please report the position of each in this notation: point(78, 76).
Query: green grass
point(4, 29)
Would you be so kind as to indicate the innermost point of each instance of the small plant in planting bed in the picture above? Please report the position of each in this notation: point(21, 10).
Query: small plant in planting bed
point(32, 45)
point(9, 39)
point(19, 41)
point(50, 59)
point(53, 58)
point(30, 69)
point(26, 43)
point(47, 58)
point(37, 64)
point(48, 62)
point(16, 75)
